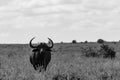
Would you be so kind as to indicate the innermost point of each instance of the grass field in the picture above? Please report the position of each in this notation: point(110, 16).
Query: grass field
point(66, 64)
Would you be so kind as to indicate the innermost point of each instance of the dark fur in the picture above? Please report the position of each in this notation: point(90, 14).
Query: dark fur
point(41, 56)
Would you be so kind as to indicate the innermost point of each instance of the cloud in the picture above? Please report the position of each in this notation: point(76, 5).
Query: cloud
point(4, 35)
point(5, 2)
point(48, 17)
point(64, 13)
point(102, 5)
point(20, 12)
point(26, 4)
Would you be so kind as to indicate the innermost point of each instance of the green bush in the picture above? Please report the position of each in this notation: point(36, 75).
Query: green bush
point(100, 41)
point(107, 51)
point(86, 42)
point(74, 41)
point(104, 51)
point(89, 51)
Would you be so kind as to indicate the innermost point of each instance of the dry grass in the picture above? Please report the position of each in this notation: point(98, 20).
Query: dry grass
point(66, 64)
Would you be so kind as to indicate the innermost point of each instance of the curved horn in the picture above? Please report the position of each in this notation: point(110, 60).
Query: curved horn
point(31, 43)
point(51, 43)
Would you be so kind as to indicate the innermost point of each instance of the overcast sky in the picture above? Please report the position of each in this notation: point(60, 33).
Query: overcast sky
point(61, 20)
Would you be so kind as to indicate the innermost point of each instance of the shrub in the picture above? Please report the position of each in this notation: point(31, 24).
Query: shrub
point(61, 42)
point(89, 51)
point(104, 51)
point(114, 42)
point(86, 42)
point(100, 41)
point(74, 41)
point(107, 52)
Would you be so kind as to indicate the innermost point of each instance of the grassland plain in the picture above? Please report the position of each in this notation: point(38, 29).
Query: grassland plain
point(66, 63)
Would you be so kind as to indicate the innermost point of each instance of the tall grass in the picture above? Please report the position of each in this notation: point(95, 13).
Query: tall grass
point(66, 64)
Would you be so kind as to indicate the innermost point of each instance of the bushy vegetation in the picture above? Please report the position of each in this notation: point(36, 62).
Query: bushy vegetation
point(100, 41)
point(104, 51)
point(89, 51)
point(74, 41)
point(86, 41)
point(107, 51)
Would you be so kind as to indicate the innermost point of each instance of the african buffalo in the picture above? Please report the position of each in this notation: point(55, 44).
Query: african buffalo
point(41, 54)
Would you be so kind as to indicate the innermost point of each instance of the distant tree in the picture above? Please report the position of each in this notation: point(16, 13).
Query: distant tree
point(81, 42)
point(74, 41)
point(86, 41)
point(61, 42)
point(114, 42)
point(100, 41)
